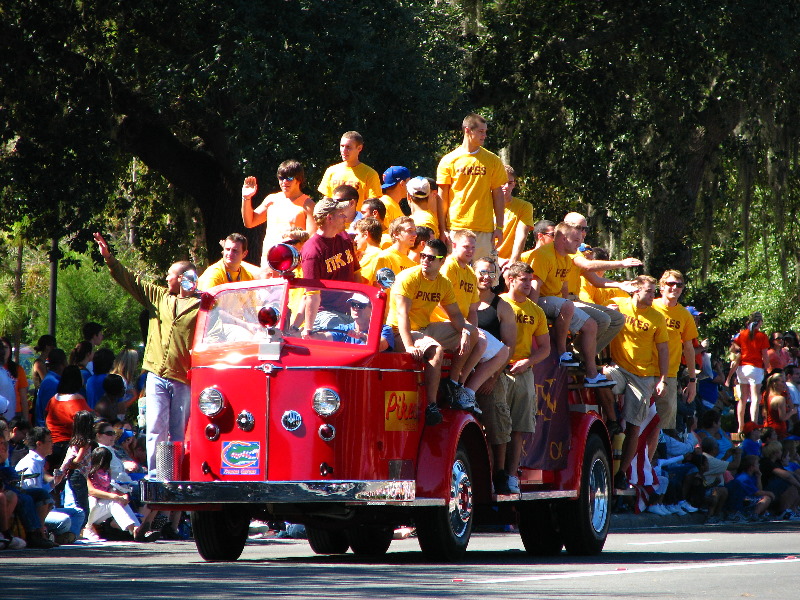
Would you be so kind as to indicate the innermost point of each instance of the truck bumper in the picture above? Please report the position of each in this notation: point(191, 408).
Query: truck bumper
point(392, 492)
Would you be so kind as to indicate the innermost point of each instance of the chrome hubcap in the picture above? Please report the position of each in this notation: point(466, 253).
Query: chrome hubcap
point(460, 509)
point(599, 499)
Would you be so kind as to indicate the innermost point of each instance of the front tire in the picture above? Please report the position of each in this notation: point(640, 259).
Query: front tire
point(444, 531)
point(584, 522)
point(220, 535)
point(538, 530)
point(323, 541)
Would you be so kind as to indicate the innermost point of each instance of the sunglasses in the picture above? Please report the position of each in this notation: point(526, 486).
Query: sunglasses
point(358, 304)
point(285, 178)
point(487, 273)
point(424, 256)
point(677, 284)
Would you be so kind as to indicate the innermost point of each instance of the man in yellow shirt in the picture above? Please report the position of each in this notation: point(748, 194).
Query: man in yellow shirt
point(394, 190)
point(488, 353)
point(553, 265)
point(403, 233)
point(518, 221)
point(511, 408)
point(351, 171)
point(682, 332)
point(231, 267)
point(367, 241)
point(423, 204)
point(641, 354)
point(470, 180)
point(415, 294)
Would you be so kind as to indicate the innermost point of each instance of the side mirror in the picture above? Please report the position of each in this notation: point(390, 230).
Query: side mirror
point(189, 281)
point(385, 277)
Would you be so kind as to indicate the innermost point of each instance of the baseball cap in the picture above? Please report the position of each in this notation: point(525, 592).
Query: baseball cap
point(394, 175)
point(327, 206)
point(419, 187)
point(360, 298)
point(693, 311)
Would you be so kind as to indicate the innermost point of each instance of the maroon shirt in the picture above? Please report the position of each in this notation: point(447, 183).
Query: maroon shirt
point(330, 258)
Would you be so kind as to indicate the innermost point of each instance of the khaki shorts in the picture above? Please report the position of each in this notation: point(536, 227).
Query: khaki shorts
point(667, 405)
point(637, 393)
point(421, 341)
point(551, 305)
point(510, 407)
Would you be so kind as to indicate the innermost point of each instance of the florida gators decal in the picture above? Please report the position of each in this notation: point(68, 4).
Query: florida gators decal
point(241, 458)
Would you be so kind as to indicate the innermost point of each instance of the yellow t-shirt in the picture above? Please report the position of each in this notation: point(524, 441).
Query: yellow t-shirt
point(217, 275)
point(634, 347)
point(602, 296)
point(424, 218)
point(465, 287)
point(681, 328)
point(367, 262)
point(551, 268)
point(393, 210)
point(531, 323)
point(386, 241)
point(471, 178)
point(393, 260)
point(425, 296)
point(516, 211)
point(362, 177)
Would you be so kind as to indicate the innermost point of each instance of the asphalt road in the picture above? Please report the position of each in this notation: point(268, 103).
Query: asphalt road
point(734, 561)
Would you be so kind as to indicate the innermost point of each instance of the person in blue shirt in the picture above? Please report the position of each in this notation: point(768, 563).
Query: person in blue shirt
point(56, 361)
point(357, 331)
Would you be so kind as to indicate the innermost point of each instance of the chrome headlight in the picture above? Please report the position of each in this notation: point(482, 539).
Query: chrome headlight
point(211, 402)
point(326, 402)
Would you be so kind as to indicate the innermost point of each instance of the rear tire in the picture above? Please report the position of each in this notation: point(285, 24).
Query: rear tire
point(584, 522)
point(444, 531)
point(538, 530)
point(324, 541)
point(370, 540)
point(220, 535)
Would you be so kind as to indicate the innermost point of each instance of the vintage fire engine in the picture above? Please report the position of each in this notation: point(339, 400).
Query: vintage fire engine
point(332, 435)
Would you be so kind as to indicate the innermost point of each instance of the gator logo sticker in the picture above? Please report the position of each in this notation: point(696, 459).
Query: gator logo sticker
point(401, 411)
point(241, 458)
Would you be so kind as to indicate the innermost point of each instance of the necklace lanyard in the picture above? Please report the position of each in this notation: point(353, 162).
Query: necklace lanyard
point(238, 277)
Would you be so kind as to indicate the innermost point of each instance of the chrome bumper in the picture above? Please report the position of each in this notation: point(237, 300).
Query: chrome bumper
point(393, 492)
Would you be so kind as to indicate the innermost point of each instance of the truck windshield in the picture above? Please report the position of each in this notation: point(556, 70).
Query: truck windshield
point(234, 316)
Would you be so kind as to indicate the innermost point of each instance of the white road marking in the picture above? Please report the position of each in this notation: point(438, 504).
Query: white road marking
point(626, 571)
point(689, 541)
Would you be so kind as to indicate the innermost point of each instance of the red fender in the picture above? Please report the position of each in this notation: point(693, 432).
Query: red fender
point(437, 449)
point(582, 425)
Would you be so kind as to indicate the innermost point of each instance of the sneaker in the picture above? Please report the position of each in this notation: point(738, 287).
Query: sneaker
point(714, 520)
point(513, 484)
point(621, 481)
point(614, 428)
point(687, 507)
point(597, 381)
point(90, 535)
point(568, 360)
point(448, 393)
point(737, 517)
point(11, 542)
point(786, 515)
point(433, 415)
point(465, 401)
point(168, 533)
point(37, 540)
point(674, 509)
point(500, 480)
point(657, 509)
point(65, 538)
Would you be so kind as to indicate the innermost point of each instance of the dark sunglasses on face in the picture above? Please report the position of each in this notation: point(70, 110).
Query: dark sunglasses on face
point(424, 256)
point(677, 284)
point(285, 178)
point(357, 305)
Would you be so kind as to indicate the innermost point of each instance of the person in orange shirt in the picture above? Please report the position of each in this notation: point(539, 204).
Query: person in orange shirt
point(753, 363)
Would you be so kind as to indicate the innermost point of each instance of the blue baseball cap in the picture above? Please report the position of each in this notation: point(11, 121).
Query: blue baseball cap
point(693, 311)
point(394, 175)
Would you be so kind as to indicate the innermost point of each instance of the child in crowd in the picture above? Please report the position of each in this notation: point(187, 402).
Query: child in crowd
point(76, 462)
point(106, 502)
point(745, 493)
point(751, 444)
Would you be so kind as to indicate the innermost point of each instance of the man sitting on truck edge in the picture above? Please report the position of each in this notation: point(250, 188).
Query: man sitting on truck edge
point(415, 294)
point(231, 267)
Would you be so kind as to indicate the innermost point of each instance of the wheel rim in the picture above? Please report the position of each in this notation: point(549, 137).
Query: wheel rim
point(599, 499)
point(460, 510)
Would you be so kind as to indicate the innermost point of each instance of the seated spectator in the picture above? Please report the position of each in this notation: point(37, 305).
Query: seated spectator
point(719, 470)
point(64, 523)
point(751, 445)
point(18, 429)
point(103, 361)
point(777, 407)
point(776, 479)
point(677, 465)
point(711, 423)
point(746, 497)
point(105, 502)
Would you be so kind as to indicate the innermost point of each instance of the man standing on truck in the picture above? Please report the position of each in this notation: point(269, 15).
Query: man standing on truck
point(173, 316)
point(510, 410)
point(415, 294)
point(351, 171)
point(470, 180)
point(641, 354)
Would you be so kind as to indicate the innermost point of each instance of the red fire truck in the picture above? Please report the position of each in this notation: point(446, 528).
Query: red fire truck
point(332, 435)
